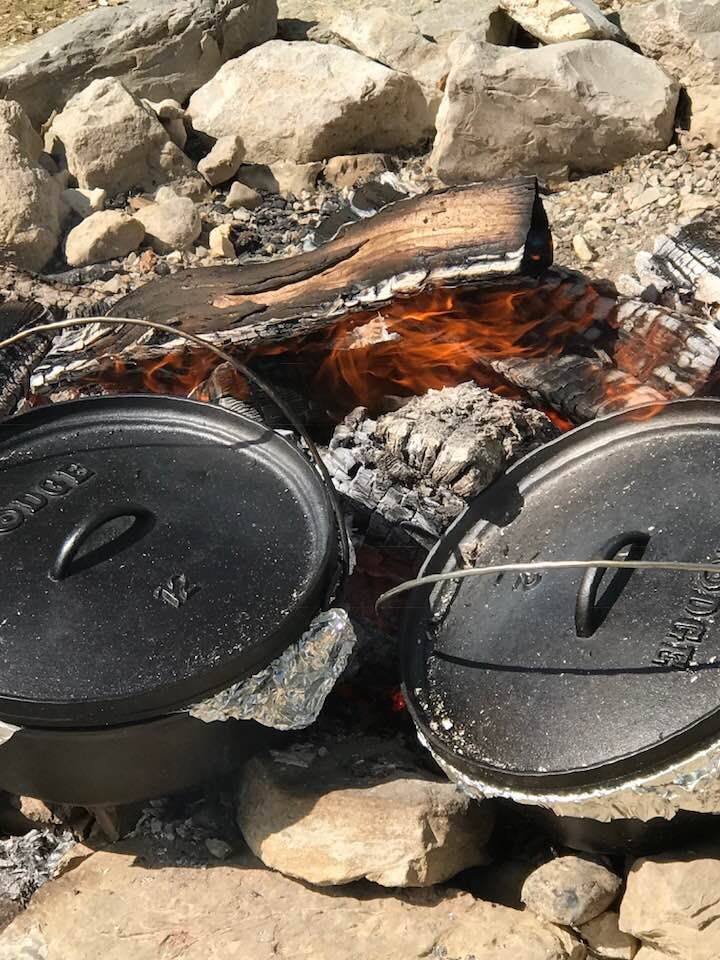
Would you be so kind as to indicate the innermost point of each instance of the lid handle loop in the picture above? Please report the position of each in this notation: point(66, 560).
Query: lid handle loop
point(79, 534)
point(587, 617)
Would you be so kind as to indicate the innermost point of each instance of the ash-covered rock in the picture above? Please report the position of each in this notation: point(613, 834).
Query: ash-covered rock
point(413, 469)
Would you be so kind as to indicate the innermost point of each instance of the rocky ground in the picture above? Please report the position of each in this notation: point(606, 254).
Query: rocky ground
point(188, 133)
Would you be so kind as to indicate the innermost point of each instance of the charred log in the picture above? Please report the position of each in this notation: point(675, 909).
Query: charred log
point(690, 258)
point(409, 473)
point(672, 352)
point(18, 361)
point(578, 388)
point(461, 235)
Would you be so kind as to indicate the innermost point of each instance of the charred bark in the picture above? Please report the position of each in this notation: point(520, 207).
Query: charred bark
point(18, 361)
point(461, 235)
point(578, 388)
point(690, 258)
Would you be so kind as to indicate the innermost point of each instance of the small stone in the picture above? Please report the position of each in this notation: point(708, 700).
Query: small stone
point(582, 248)
point(175, 128)
point(693, 204)
point(606, 939)
point(242, 215)
point(147, 261)
point(644, 199)
point(103, 236)
point(166, 109)
point(347, 171)
point(172, 223)
point(220, 242)
point(85, 202)
point(242, 196)
point(570, 890)
point(222, 163)
point(218, 848)
point(284, 177)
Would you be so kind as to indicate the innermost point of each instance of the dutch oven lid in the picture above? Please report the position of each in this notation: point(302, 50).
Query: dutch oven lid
point(152, 551)
point(555, 679)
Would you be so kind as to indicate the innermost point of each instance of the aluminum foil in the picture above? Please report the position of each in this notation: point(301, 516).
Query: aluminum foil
point(289, 693)
point(6, 731)
point(691, 784)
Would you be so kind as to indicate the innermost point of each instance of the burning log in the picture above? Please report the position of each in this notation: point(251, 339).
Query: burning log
point(672, 352)
point(410, 471)
point(578, 388)
point(466, 234)
point(690, 258)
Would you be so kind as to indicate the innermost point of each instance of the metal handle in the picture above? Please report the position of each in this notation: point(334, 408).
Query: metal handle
point(586, 619)
point(80, 533)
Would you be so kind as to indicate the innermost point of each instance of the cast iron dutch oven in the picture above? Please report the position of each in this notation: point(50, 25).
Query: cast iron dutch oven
point(564, 681)
point(152, 551)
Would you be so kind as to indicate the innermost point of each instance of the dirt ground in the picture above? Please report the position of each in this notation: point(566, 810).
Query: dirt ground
point(21, 20)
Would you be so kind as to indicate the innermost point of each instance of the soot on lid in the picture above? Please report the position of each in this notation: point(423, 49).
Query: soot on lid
point(153, 550)
point(564, 678)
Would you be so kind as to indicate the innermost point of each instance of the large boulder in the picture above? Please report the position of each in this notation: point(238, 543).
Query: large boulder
point(157, 899)
point(309, 101)
point(585, 104)
point(361, 809)
point(396, 41)
point(31, 206)
point(671, 904)
point(439, 20)
point(109, 139)
point(684, 35)
point(166, 48)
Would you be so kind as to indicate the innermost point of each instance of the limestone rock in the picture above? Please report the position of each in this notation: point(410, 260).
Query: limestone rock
point(606, 940)
point(589, 104)
point(309, 101)
point(144, 899)
point(109, 139)
point(365, 809)
point(671, 904)
point(347, 171)
point(241, 195)
point(684, 35)
point(31, 206)
point(175, 129)
point(171, 223)
point(167, 48)
point(221, 164)
point(396, 41)
point(556, 21)
point(705, 114)
point(440, 20)
point(285, 177)
point(220, 242)
point(103, 236)
point(85, 202)
point(166, 109)
point(570, 890)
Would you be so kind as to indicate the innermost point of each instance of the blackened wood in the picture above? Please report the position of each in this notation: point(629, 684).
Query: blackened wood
point(675, 353)
point(578, 388)
point(690, 258)
point(18, 361)
point(408, 474)
point(464, 234)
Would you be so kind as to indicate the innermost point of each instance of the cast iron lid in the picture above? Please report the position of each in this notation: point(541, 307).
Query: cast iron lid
point(555, 679)
point(152, 551)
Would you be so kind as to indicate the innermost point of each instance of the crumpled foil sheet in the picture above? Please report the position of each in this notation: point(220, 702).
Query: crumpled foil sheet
point(27, 862)
point(6, 731)
point(290, 692)
point(691, 784)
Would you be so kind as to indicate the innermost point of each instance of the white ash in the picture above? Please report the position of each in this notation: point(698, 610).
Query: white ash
point(411, 471)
